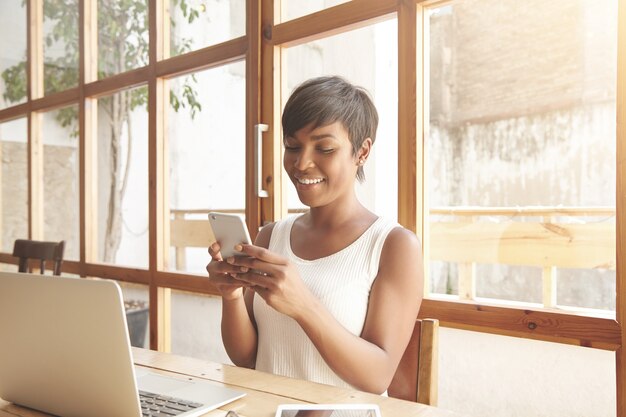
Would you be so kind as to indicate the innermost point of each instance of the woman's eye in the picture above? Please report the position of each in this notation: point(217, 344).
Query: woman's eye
point(291, 148)
point(326, 150)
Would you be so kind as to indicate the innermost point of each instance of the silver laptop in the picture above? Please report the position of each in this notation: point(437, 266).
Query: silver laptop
point(65, 350)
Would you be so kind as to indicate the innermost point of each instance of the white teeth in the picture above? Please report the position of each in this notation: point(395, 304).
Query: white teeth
point(310, 181)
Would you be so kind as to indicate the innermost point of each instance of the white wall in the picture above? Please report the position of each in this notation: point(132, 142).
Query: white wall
point(488, 375)
point(196, 326)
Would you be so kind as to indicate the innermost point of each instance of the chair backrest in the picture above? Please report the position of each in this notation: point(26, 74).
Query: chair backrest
point(416, 376)
point(43, 251)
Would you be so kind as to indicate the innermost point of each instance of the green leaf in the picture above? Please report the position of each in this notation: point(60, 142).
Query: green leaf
point(15, 82)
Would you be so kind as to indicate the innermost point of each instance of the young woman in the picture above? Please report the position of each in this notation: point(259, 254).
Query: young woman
point(331, 295)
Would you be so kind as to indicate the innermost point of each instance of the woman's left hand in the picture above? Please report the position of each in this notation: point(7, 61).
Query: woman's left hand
point(274, 278)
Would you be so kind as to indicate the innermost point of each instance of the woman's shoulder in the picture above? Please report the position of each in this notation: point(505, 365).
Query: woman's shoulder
point(401, 257)
point(400, 240)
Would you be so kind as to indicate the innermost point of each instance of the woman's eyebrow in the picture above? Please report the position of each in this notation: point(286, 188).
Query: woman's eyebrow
point(313, 137)
point(323, 136)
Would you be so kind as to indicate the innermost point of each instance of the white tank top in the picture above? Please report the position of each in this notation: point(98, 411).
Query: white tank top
point(341, 281)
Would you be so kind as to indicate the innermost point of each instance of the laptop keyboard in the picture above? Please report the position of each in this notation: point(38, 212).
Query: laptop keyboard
point(155, 405)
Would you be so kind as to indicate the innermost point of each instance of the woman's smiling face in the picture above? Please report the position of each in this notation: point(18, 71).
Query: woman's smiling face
point(320, 163)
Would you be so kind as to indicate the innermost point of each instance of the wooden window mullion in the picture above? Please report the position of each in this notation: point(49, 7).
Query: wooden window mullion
point(620, 203)
point(87, 120)
point(35, 88)
point(158, 211)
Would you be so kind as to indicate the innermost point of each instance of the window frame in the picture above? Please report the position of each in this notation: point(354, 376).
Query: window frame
point(154, 76)
point(541, 324)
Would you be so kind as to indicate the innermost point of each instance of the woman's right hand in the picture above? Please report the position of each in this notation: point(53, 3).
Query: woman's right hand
point(221, 275)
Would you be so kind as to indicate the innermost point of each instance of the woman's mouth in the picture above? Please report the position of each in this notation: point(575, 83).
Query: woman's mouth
point(309, 181)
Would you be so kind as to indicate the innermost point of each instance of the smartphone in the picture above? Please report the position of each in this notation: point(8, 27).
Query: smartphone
point(229, 230)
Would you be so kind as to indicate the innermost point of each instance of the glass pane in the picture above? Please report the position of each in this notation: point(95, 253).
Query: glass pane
point(207, 141)
point(196, 326)
point(195, 24)
point(375, 49)
point(137, 305)
point(123, 178)
point(445, 277)
point(292, 9)
point(14, 175)
point(60, 47)
point(122, 36)
point(61, 179)
point(509, 282)
point(12, 52)
point(573, 288)
point(521, 145)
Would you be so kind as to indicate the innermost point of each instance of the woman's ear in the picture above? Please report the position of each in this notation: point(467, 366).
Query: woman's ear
point(364, 151)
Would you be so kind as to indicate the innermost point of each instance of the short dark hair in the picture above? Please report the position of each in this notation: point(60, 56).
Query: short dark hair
point(325, 100)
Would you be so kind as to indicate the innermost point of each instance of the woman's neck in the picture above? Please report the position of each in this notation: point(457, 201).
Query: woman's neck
point(336, 214)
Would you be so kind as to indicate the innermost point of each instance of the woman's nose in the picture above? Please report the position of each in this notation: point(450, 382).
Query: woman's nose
point(303, 161)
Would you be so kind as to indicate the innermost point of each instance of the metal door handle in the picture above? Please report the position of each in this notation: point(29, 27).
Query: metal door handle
point(258, 158)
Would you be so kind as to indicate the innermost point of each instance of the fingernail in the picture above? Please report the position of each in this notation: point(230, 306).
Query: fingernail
point(230, 260)
point(238, 248)
point(244, 269)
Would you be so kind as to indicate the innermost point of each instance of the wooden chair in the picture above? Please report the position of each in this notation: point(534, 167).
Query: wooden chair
point(43, 251)
point(416, 376)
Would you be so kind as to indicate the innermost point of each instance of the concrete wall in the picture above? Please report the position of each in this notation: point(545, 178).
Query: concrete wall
point(504, 58)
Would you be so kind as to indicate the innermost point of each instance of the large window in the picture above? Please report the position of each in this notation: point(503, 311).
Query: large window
point(120, 138)
point(521, 151)
point(505, 164)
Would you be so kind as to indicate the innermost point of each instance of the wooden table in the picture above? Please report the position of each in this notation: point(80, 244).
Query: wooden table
point(264, 391)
